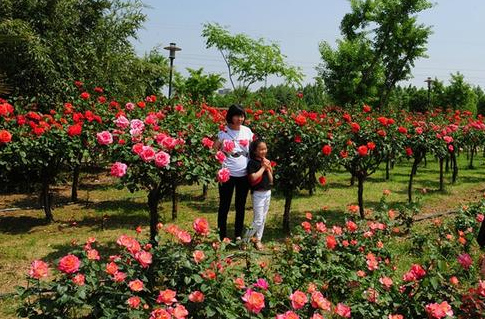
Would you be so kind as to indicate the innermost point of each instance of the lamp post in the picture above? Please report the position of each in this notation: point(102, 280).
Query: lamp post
point(172, 48)
point(429, 81)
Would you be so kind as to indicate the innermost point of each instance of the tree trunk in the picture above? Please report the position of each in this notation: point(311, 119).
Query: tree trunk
point(352, 180)
point(312, 180)
point(472, 152)
point(455, 168)
point(46, 196)
point(441, 175)
point(75, 182)
point(425, 161)
point(205, 192)
point(388, 164)
point(414, 169)
point(286, 214)
point(153, 199)
point(447, 165)
point(175, 202)
point(360, 194)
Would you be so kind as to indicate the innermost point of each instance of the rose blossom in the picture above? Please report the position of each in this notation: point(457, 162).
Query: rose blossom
point(198, 256)
point(438, 311)
point(147, 154)
point(298, 299)
point(118, 169)
point(196, 296)
point(167, 297)
point(136, 285)
point(162, 159)
point(78, 280)
point(465, 260)
point(104, 138)
point(223, 175)
point(122, 122)
point(201, 226)
point(207, 142)
point(144, 258)
point(254, 301)
point(69, 264)
point(220, 156)
point(343, 310)
point(38, 269)
point(160, 313)
point(319, 301)
point(134, 302)
point(179, 312)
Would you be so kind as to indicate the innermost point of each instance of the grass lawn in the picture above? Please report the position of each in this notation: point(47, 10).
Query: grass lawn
point(106, 212)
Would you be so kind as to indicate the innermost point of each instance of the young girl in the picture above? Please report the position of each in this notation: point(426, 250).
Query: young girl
point(260, 175)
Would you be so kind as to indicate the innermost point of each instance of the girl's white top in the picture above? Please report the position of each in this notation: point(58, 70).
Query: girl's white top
point(241, 138)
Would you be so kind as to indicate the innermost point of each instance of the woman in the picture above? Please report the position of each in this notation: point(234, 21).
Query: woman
point(234, 142)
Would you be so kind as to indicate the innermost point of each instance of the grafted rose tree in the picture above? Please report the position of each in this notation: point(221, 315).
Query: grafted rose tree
point(361, 147)
point(473, 136)
point(157, 149)
point(295, 143)
point(41, 146)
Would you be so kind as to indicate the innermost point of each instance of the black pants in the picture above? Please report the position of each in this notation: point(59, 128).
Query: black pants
point(225, 197)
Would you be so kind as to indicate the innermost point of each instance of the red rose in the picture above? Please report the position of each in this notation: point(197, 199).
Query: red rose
point(74, 130)
point(402, 130)
point(366, 108)
point(85, 95)
point(409, 151)
point(326, 150)
point(362, 150)
point(300, 120)
point(371, 146)
point(5, 136)
point(355, 127)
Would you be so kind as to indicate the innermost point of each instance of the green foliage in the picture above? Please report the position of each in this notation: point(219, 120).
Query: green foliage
point(381, 41)
point(199, 87)
point(248, 60)
point(67, 40)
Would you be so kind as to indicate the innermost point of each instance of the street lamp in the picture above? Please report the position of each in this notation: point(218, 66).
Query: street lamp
point(172, 48)
point(429, 81)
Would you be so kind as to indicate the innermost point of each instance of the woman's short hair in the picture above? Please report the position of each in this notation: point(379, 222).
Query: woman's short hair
point(234, 110)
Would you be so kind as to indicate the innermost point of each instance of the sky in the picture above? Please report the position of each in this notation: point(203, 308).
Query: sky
point(456, 45)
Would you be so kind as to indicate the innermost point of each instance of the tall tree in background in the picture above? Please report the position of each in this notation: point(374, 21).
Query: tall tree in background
point(249, 61)
point(381, 41)
point(66, 40)
point(198, 87)
point(460, 95)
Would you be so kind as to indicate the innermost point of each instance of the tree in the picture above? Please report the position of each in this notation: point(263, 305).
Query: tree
point(460, 95)
point(248, 60)
point(67, 40)
point(381, 41)
point(199, 87)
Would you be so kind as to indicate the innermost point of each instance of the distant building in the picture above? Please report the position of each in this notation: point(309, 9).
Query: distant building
point(223, 91)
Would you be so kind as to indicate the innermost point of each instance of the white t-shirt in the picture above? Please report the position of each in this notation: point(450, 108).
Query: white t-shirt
point(241, 138)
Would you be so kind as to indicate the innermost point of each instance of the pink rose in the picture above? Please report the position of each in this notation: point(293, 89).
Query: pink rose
point(134, 302)
point(118, 169)
point(179, 312)
point(122, 122)
point(438, 311)
point(207, 142)
point(136, 285)
point(144, 258)
point(147, 154)
point(169, 142)
point(196, 296)
point(228, 146)
point(38, 269)
point(198, 256)
point(167, 297)
point(254, 301)
point(69, 264)
point(78, 279)
point(201, 226)
point(223, 175)
point(298, 299)
point(104, 138)
point(130, 106)
point(220, 156)
point(162, 159)
point(342, 310)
